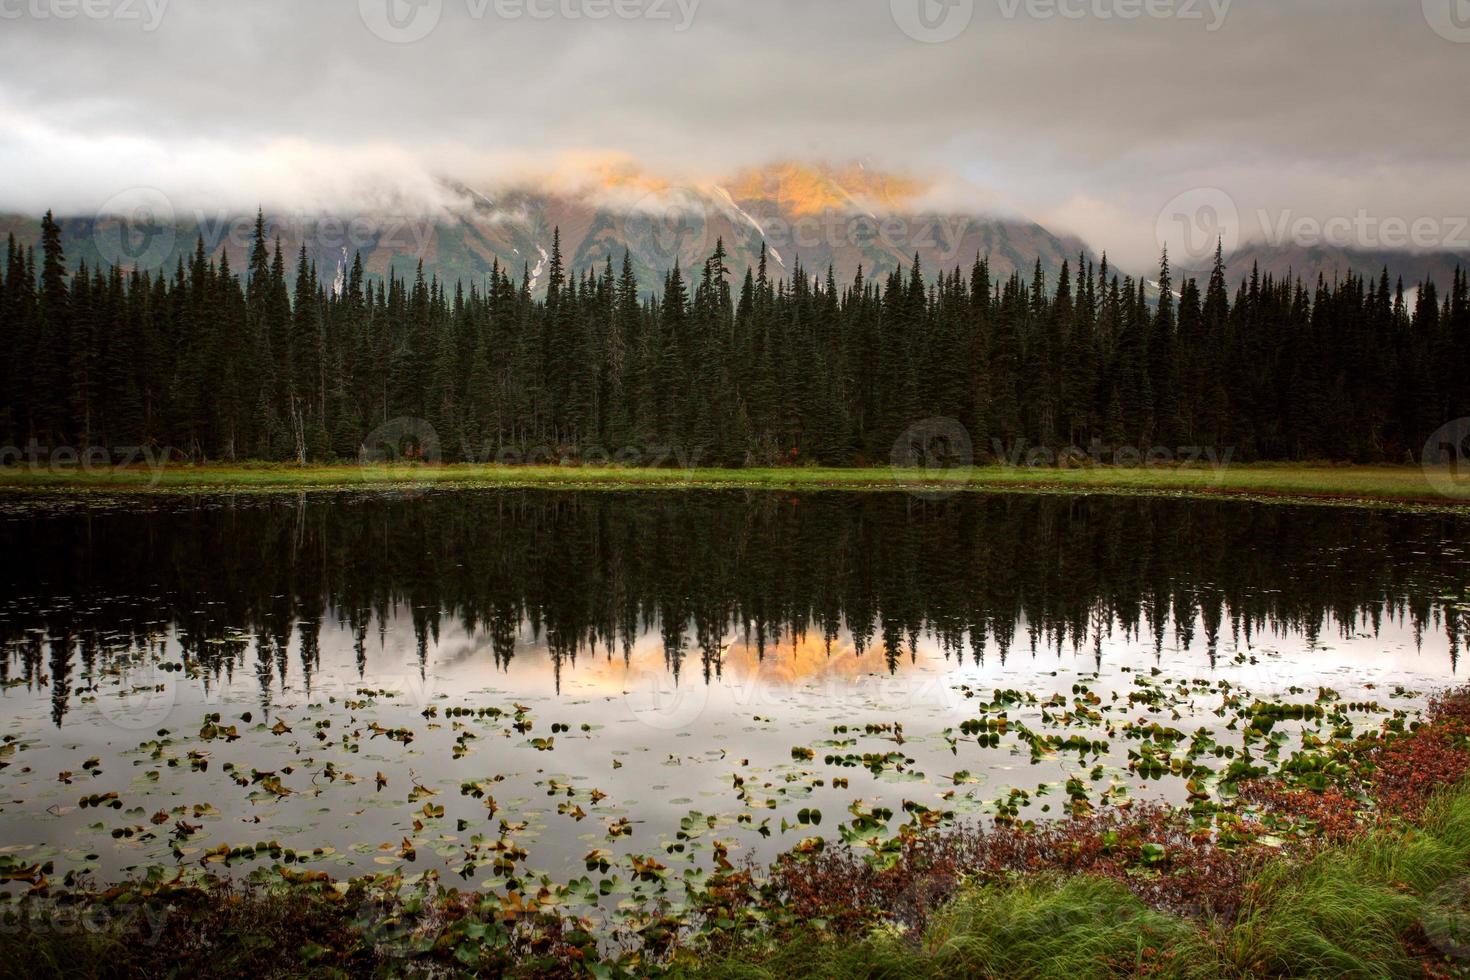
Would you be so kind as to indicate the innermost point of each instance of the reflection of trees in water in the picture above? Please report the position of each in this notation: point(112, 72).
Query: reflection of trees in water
point(597, 570)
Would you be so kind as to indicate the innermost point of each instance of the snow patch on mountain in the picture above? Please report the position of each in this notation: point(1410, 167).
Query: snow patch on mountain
point(540, 268)
point(753, 223)
point(339, 281)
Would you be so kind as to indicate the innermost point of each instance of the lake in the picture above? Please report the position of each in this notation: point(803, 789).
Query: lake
point(513, 686)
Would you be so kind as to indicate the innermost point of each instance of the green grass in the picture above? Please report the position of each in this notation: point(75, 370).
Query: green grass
point(1383, 484)
point(1348, 912)
point(1355, 910)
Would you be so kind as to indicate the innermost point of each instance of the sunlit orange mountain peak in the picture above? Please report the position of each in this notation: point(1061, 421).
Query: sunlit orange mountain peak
point(801, 189)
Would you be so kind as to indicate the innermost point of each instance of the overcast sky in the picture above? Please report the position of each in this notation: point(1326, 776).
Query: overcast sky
point(1090, 116)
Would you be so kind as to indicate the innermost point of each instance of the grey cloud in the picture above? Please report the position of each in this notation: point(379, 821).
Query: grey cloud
point(1092, 123)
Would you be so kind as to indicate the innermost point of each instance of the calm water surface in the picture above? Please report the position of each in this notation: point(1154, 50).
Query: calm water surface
point(656, 664)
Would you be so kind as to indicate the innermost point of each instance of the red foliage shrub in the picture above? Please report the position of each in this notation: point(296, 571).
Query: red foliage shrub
point(1153, 850)
point(1408, 770)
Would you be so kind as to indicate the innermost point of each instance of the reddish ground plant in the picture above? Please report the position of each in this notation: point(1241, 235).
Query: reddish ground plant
point(1409, 769)
point(1154, 850)
point(1330, 816)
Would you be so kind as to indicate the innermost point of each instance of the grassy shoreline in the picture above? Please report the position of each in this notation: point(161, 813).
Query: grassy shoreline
point(1318, 482)
point(1388, 903)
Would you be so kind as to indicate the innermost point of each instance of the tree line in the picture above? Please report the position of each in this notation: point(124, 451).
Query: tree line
point(262, 363)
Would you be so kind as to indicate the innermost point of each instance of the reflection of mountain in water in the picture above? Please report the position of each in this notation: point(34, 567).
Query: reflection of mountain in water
point(597, 570)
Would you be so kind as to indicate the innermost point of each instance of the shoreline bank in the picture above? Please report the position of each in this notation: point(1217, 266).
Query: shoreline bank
point(1398, 486)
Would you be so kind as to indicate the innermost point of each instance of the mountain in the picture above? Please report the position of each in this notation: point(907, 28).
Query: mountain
point(1333, 262)
point(817, 215)
point(845, 216)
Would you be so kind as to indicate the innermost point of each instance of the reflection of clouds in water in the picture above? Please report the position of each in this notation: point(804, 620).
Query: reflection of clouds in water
point(809, 668)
